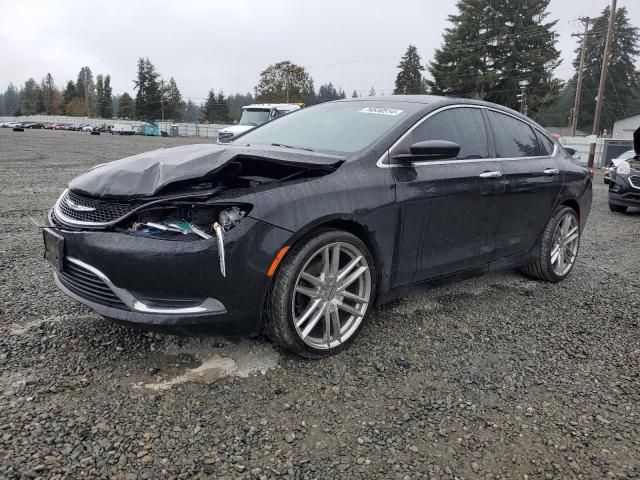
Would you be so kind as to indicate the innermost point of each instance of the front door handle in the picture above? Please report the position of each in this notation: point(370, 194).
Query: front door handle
point(551, 171)
point(496, 174)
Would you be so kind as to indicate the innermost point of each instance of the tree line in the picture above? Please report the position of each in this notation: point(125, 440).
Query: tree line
point(485, 54)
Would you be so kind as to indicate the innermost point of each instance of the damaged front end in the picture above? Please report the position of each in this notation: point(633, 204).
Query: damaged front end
point(164, 256)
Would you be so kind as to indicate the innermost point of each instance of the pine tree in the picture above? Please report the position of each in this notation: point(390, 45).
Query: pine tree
point(215, 109)
point(372, 92)
point(30, 97)
point(107, 98)
point(621, 89)
point(490, 48)
point(149, 95)
point(48, 92)
point(193, 112)
point(86, 90)
point(11, 100)
point(125, 106)
point(409, 79)
point(99, 94)
point(174, 106)
point(355, 94)
point(327, 93)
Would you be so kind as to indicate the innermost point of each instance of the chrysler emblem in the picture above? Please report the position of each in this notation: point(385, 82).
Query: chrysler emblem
point(79, 208)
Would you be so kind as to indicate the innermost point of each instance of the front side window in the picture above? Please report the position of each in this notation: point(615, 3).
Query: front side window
point(343, 127)
point(513, 138)
point(463, 126)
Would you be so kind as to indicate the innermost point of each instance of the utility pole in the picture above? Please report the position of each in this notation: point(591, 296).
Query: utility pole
point(576, 105)
point(603, 80)
point(523, 96)
point(162, 98)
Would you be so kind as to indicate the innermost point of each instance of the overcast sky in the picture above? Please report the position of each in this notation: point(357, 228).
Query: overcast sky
point(355, 44)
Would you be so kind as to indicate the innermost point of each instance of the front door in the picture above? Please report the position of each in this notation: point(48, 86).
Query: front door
point(447, 208)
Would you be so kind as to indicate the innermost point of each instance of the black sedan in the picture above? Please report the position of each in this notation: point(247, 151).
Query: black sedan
point(624, 185)
point(298, 227)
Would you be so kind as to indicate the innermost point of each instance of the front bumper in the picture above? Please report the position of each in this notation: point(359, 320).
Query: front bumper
point(622, 192)
point(153, 282)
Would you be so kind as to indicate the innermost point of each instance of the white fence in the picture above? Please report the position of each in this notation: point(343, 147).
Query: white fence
point(582, 146)
point(184, 129)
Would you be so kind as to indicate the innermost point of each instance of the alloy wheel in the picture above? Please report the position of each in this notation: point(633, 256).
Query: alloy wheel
point(331, 295)
point(566, 239)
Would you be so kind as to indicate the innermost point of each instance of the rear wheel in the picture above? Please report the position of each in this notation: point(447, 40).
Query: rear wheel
point(617, 208)
point(558, 247)
point(321, 294)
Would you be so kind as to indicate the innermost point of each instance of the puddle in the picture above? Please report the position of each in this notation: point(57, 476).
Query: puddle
point(241, 359)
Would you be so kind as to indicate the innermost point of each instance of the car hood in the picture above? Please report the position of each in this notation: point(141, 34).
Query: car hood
point(146, 174)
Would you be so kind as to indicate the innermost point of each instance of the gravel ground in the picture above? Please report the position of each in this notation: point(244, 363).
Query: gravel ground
point(497, 377)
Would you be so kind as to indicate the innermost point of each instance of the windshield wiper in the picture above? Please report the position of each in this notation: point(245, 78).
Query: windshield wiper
point(289, 146)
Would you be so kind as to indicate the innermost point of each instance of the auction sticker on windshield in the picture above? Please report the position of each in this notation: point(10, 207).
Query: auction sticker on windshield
point(381, 111)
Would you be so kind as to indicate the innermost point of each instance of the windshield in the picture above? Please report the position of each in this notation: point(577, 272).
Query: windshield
point(254, 117)
point(337, 127)
point(626, 155)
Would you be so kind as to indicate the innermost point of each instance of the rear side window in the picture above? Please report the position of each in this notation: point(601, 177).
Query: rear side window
point(546, 145)
point(463, 126)
point(513, 138)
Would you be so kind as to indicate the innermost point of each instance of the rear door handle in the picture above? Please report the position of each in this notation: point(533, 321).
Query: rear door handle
point(551, 171)
point(495, 174)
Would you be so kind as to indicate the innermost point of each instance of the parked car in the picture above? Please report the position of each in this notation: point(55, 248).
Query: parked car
point(32, 125)
point(48, 125)
point(87, 128)
point(298, 227)
point(624, 184)
point(62, 126)
point(13, 125)
point(255, 115)
point(615, 162)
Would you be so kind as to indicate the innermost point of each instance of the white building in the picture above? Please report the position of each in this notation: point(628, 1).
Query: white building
point(623, 129)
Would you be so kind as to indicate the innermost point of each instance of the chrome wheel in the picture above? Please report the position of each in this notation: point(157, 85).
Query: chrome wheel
point(566, 239)
point(331, 295)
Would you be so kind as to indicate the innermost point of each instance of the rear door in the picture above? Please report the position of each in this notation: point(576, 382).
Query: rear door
point(447, 208)
point(532, 179)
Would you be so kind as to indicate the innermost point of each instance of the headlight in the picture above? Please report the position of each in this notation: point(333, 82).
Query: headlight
point(230, 217)
point(624, 168)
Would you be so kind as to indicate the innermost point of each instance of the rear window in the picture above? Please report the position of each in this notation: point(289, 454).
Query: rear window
point(513, 137)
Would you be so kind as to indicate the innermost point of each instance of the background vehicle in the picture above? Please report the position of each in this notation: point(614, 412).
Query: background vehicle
point(122, 129)
point(255, 115)
point(624, 184)
point(316, 217)
point(615, 162)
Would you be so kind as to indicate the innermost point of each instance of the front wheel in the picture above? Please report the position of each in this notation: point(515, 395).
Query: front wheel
point(321, 294)
point(558, 247)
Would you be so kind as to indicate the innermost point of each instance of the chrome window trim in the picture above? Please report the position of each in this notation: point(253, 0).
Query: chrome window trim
point(386, 155)
point(209, 305)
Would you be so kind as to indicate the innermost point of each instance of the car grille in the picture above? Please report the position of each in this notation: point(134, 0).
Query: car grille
point(634, 180)
point(73, 208)
point(87, 284)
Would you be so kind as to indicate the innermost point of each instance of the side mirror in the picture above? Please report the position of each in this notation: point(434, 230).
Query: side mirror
point(435, 148)
point(431, 150)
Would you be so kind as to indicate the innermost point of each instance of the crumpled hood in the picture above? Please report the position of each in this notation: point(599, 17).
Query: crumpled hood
point(145, 174)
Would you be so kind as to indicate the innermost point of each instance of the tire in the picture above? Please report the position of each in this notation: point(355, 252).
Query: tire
point(545, 267)
point(617, 208)
point(292, 296)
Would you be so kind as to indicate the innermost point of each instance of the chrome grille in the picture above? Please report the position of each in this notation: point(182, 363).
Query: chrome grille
point(88, 285)
point(75, 209)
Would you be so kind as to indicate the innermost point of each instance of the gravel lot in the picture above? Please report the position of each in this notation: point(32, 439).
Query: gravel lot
point(497, 377)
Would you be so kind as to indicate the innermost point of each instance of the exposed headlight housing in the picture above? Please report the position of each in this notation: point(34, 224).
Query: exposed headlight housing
point(624, 168)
